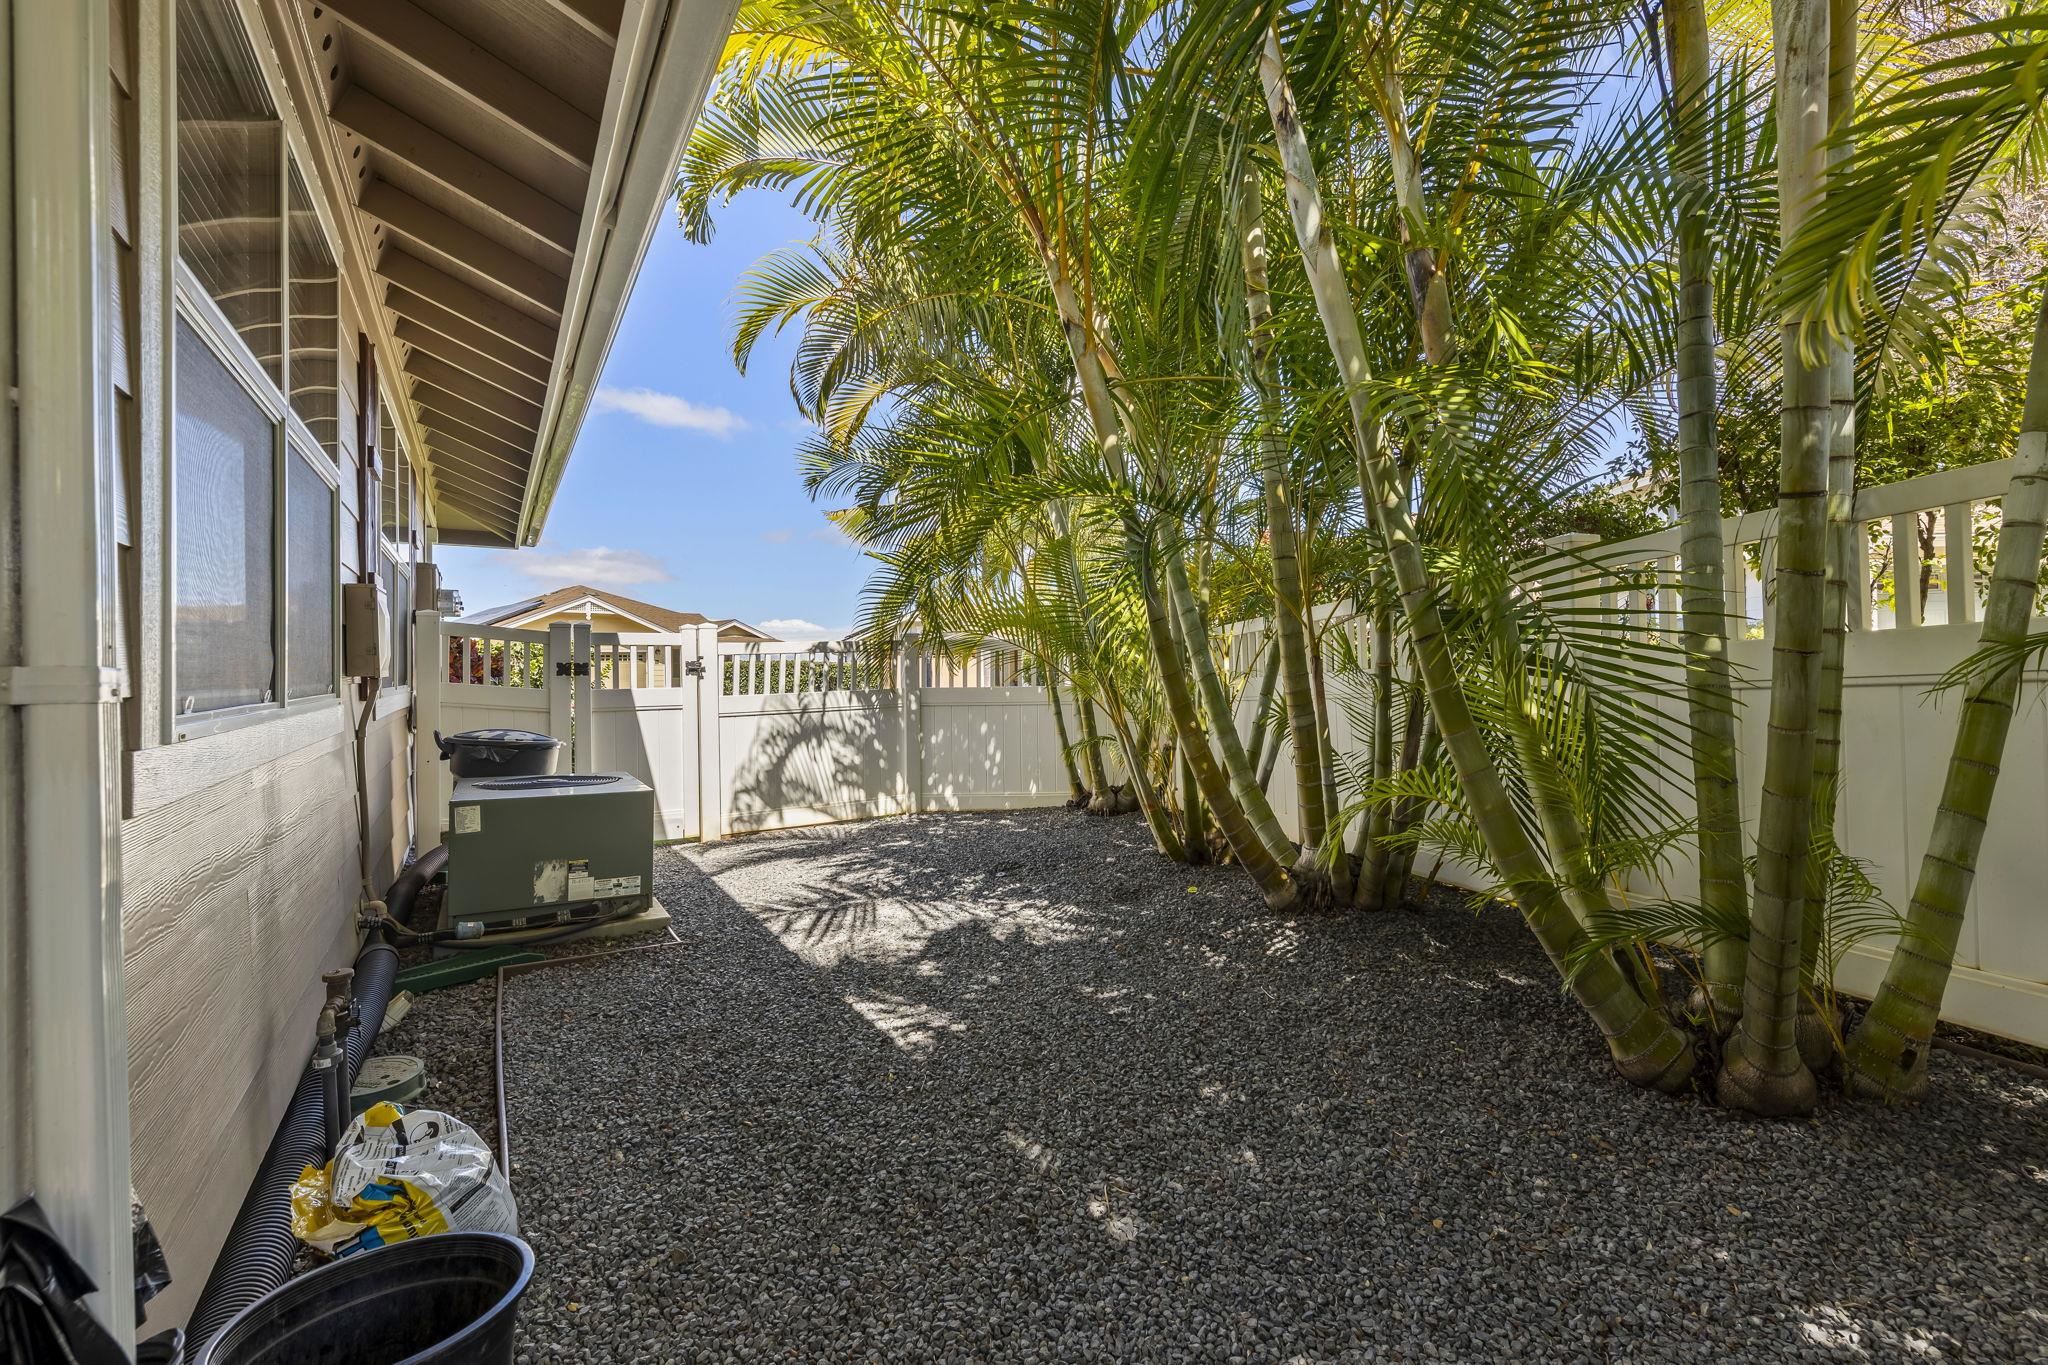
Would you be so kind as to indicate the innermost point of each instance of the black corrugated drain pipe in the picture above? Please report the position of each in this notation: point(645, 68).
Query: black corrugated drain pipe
point(257, 1256)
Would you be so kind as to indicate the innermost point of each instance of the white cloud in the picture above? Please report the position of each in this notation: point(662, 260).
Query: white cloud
point(778, 537)
point(670, 410)
point(599, 566)
point(795, 627)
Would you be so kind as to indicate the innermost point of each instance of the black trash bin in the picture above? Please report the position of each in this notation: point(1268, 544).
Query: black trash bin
point(448, 1299)
point(499, 753)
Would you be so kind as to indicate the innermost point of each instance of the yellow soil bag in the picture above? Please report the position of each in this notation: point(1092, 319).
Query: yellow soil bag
point(399, 1174)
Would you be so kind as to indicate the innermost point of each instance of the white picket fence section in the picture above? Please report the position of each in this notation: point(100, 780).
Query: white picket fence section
point(755, 738)
point(738, 738)
point(1896, 733)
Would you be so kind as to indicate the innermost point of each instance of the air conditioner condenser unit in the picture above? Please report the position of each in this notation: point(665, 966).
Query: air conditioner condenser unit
point(526, 852)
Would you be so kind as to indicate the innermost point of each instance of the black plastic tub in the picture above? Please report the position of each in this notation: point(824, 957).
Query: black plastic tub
point(499, 753)
point(450, 1299)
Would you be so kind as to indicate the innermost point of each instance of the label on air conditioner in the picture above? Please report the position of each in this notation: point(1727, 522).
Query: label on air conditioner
point(581, 888)
point(468, 819)
point(615, 886)
point(550, 881)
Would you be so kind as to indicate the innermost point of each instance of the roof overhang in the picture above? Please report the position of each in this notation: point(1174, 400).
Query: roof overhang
point(508, 161)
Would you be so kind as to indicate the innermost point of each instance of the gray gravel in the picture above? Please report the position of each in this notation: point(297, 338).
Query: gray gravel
point(1011, 1087)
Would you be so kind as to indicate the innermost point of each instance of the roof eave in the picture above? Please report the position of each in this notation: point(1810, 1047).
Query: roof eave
point(661, 73)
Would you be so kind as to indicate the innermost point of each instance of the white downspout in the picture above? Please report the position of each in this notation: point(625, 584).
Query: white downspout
point(63, 902)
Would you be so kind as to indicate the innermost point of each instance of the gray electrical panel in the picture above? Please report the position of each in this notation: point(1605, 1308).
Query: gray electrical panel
point(530, 851)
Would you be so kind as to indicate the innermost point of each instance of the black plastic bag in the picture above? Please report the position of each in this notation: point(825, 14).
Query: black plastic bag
point(43, 1318)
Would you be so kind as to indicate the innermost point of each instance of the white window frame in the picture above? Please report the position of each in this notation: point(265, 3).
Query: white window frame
point(192, 302)
point(405, 553)
point(290, 439)
point(304, 448)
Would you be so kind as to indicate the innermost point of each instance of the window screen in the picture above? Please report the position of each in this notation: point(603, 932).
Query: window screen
point(400, 579)
point(309, 582)
point(223, 495)
point(229, 151)
point(394, 586)
point(314, 299)
point(405, 500)
point(389, 459)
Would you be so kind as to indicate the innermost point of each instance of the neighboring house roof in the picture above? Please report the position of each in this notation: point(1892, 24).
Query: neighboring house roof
point(578, 597)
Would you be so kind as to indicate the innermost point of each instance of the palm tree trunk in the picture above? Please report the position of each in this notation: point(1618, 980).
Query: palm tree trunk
point(1710, 694)
point(1421, 750)
point(1289, 608)
point(1816, 1039)
point(1429, 294)
point(1149, 802)
point(1264, 742)
point(1194, 820)
point(1270, 874)
point(1645, 1046)
point(1094, 371)
point(1099, 798)
point(1428, 291)
point(1338, 870)
point(1842, 31)
point(1215, 701)
point(1269, 760)
point(1887, 1056)
point(1077, 794)
point(1375, 853)
point(1762, 1070)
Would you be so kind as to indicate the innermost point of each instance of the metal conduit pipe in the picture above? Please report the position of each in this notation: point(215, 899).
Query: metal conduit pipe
point(257, 1256)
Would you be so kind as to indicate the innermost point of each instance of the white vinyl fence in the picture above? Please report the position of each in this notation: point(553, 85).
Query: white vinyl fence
point(736, 738)
point(1896, 732)
point(754, 738)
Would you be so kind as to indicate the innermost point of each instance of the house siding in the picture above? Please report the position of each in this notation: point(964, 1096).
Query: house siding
point(239, 863)
point(237, 896)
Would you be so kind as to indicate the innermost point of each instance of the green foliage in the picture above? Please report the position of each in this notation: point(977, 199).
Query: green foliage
point(1025, 347)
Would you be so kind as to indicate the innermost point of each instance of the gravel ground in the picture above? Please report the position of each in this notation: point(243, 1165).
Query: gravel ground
point(1011, 1087)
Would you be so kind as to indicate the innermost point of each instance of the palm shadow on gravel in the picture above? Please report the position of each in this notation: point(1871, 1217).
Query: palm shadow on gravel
point(1011, 1087)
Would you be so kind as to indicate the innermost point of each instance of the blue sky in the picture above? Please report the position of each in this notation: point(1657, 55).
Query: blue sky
point(683, 488)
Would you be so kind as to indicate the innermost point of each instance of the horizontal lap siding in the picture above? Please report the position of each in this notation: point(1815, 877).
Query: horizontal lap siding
point(236, 897)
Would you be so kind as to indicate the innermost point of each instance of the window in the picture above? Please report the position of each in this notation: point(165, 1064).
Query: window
point(315, 299)
point(309, 581)
point(226, 448)
point(405, 496)
point(254, 507)
point(391, 459)
point(230, 155)
point(397, 585)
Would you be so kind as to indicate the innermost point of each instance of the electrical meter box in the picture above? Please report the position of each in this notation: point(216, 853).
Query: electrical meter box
point(365, 632)
point(524, 852)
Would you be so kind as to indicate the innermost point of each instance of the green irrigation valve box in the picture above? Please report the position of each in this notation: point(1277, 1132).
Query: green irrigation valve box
point(526, 852)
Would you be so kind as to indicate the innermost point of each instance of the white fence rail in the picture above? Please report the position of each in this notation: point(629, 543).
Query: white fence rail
point(1896, 730)
point(736, 738)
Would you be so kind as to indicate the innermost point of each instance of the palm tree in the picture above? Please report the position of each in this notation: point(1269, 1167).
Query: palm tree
point(1944, 137)
point(1290, 607)
point(1710, 693)
point(1646, 1047)
point(1762, 1069)
point(1072, 398)
point(883, 104)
